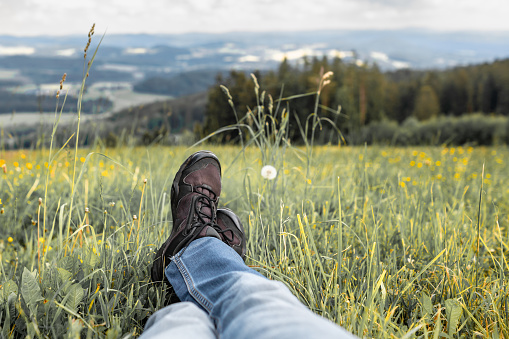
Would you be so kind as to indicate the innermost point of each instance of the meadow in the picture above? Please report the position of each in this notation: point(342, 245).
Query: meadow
point(386, 242)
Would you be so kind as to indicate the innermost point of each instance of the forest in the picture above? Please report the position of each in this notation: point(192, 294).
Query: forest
point(468, 104)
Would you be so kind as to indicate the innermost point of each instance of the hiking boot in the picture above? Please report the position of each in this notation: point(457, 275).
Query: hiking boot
point(232, 231)
point(194, 197)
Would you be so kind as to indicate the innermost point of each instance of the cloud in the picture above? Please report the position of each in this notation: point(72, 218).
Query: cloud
point(34, 17)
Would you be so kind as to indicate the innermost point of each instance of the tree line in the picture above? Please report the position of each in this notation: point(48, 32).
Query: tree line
point(364, 93)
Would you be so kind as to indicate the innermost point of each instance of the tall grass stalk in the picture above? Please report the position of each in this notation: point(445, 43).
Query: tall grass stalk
point(86, 67)
point(479, 230)
point(56, 121)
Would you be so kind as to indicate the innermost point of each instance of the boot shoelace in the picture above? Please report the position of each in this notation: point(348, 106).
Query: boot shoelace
point(226, 234)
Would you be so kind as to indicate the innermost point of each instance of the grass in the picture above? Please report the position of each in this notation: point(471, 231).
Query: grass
point(407, 237)
point(386, 242)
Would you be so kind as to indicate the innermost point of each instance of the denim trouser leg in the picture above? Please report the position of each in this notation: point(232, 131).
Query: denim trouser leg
point(181, 320)
point(242, 302)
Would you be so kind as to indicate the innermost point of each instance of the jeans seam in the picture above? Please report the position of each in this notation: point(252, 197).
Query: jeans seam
point(200, 298)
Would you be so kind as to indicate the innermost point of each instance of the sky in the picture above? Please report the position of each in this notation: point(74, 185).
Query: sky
point(64, 17)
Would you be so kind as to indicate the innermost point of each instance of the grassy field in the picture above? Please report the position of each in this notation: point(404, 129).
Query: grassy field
point(387, 242)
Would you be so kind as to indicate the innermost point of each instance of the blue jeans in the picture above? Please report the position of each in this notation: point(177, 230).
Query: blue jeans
point(222, 297)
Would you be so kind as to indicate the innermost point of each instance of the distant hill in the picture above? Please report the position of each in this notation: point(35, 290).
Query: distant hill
point(10, 103)
point(141, 56)
point(140, 124)
point(174, 115)
point(178, 85)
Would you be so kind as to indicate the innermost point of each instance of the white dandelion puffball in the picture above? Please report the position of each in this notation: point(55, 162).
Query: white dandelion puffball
point(269, 172)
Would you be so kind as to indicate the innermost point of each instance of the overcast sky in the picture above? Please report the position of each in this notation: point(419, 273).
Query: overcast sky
point(62, 17)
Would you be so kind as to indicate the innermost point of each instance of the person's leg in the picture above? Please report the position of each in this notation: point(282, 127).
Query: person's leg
point(242, 302)
point(180, 320)
point(203, 261)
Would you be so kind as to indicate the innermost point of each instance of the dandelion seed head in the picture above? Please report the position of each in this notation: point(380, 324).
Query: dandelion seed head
point(269, 172)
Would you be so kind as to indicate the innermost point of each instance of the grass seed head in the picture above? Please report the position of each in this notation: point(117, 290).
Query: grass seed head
point(40, 201)
point(255, 80)
point(327, 75)
point(135, 217)
point(226, 91)
point(63, 80)
point(90, 33)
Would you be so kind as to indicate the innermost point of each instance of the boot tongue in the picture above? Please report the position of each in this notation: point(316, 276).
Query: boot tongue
point(205, 191)
point(204, 208)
